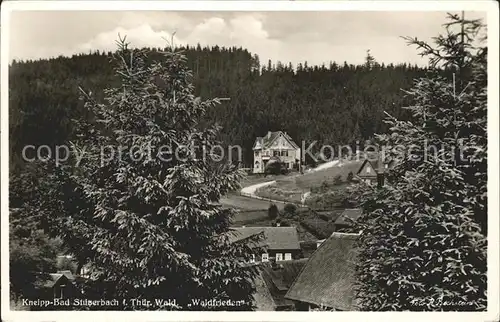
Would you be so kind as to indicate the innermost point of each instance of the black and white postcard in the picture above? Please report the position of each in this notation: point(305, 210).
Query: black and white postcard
point(249, 160)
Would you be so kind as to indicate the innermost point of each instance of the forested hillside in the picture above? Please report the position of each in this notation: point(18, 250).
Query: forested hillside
point(334, 104)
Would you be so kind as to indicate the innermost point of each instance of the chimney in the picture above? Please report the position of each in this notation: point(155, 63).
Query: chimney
point(380, 172)
point(380, 179)
point(268, 134)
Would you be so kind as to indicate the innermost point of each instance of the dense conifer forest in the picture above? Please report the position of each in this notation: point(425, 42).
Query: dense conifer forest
point(334, 104)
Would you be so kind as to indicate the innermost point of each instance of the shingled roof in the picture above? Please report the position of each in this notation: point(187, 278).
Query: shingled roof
point(275, 238)
point(352, 214)
point(280, 278)
point(328, 277)
point(266, 141)
point(49, 280)
point(285, 272)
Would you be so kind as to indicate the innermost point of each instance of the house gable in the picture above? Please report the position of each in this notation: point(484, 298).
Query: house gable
point(257, 144)
point(367, 169)
point(275, 140)
point(283, 141)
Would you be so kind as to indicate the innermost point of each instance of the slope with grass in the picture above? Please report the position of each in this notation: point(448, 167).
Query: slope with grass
point(293, 189)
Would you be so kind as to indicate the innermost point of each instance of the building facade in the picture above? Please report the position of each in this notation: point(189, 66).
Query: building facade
point(373, 171)
point(275, 145)
point(279, 243)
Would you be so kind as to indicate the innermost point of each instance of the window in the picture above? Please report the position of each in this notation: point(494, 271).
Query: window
point(252, 260)
point(368, 170)
point(288, 256)
point(279, 256)
point(265, 257)
point(386, 166)
point(276, 153)
point(284, 153)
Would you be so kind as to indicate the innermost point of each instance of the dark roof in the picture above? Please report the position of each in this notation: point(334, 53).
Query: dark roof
point(328, 277)
point(49, 280)
point(376, 164)
point(68, 274)
point(262, 298)
point(279, 279)
point(329, 215)
point(285, 272)
point(267, 140)
point(274, 237)
point(352, 214)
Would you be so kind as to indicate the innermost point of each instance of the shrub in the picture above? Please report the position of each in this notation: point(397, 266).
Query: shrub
point(290, 209)
point(273, 211)
point(337, 180)
point(284, 169)
point(64, 263)
point(328, 200)
point(280, 223)
point(285, 223)
point(276, 167)
point(350, 177)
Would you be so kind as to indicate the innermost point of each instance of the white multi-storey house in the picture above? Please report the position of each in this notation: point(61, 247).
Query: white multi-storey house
point(275, 145)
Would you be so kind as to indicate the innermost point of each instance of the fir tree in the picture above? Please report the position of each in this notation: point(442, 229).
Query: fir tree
point(152, 222)
point(369, 60)
point(423, 245)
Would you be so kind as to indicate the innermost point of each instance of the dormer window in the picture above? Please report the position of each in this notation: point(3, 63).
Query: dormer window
point(368, 170)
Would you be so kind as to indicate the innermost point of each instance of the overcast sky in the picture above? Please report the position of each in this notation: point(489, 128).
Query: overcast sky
point(318, 37)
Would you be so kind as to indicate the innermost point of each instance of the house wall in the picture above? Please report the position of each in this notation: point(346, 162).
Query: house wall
point(294, 253)
point(288, 156)
point(367, 174)
point(258, 166)
point(369, 180)
point(281, 148)
point(367, 170)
